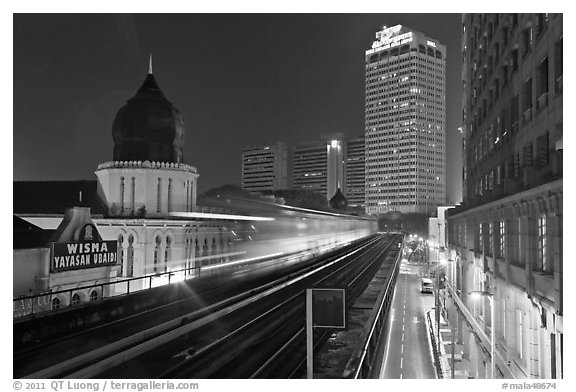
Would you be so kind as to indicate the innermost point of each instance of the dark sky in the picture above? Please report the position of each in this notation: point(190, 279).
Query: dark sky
point(238, 79)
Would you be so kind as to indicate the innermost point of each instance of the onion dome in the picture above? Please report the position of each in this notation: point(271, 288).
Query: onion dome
point(148, 127)
point(338, 201)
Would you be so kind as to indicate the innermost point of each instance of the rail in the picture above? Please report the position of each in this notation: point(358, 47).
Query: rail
point(92, 363)
point(362, 358)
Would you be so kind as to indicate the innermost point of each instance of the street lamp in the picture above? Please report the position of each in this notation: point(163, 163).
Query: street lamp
point(490, 296)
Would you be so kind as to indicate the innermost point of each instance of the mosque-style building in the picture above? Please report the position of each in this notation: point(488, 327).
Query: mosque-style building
point(138, 226)
point(143, 202)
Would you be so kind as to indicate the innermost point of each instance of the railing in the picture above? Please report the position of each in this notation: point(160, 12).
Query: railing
point(477, 329)
point(147, 164)
point(42, 302)
point(362, 358)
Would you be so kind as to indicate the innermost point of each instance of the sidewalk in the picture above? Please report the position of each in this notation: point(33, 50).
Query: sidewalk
point(444, 356)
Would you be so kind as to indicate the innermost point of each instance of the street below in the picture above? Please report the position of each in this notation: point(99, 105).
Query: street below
point(408, 352)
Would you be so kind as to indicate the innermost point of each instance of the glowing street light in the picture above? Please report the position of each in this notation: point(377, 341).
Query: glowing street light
point(478, 295)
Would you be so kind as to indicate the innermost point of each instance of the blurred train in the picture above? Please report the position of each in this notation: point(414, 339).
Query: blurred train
point(279, 229)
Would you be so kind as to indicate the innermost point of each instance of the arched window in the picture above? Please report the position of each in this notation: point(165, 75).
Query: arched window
point(167, 253)
point(75, 299)
point(196, 248)
point(156, 254)
point(55, 303)
point(93, 295)
point(130, 256)
point(205, 251)
point(121, 253)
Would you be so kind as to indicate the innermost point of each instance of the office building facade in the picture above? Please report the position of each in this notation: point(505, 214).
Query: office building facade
point(505, 240)
point(355, 172)
point(265, 168)
point(405, 122)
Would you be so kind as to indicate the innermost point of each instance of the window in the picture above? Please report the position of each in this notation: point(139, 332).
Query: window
point(527, 94)
point(514, 59)
point(541, 22)
point(543, 262)
point(159, 195)
point(121, 248)
point(543, 154)
point(75, 299)
point(133, 200)
point(558, 58)
point(55, 303)
point(156, 254)
point(122, 195)
point(169, 195)
point(514, 113)
point(167, 253)
point(502, 244)
point(93, 295)
point(130, 256)
point(526, 41)
point(527, 154)
point(542, 84)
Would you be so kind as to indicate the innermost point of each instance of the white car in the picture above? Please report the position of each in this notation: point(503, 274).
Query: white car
point(426, 285)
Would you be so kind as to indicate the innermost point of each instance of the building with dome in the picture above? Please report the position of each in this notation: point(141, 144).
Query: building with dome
point(144, 200)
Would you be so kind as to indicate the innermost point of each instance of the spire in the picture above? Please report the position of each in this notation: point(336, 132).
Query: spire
point(150, 65)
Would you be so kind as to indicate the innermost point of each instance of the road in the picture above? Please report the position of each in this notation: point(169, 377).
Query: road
point(408, 352)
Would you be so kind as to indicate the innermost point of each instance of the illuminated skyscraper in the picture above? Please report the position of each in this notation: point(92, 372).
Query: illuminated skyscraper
point(405, 122)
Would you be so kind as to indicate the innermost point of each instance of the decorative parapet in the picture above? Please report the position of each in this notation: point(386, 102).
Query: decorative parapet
point(146, 165)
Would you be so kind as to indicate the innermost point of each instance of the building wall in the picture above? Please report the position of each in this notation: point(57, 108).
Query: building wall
point(355, 172)
point(311, 166)
point(30, 273)
point(405, 122)
point(265, 168)
point(506, 238)
point(130, 188)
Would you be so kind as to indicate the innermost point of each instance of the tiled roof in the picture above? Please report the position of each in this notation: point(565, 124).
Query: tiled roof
point(26, 235)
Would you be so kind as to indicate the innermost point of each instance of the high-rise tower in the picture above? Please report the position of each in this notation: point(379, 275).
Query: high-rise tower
point(405, 122)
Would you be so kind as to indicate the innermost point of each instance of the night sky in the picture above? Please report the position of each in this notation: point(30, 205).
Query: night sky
point(238, 79)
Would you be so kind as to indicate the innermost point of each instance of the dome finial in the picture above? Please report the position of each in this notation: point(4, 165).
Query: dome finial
point(150, 65)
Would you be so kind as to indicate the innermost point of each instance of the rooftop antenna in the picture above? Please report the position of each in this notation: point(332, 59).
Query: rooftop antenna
point(150, 65)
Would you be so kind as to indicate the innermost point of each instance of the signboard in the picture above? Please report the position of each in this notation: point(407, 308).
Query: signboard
point(390, 42)
point(328, 308)
point(68, 256)
point(325, 308)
